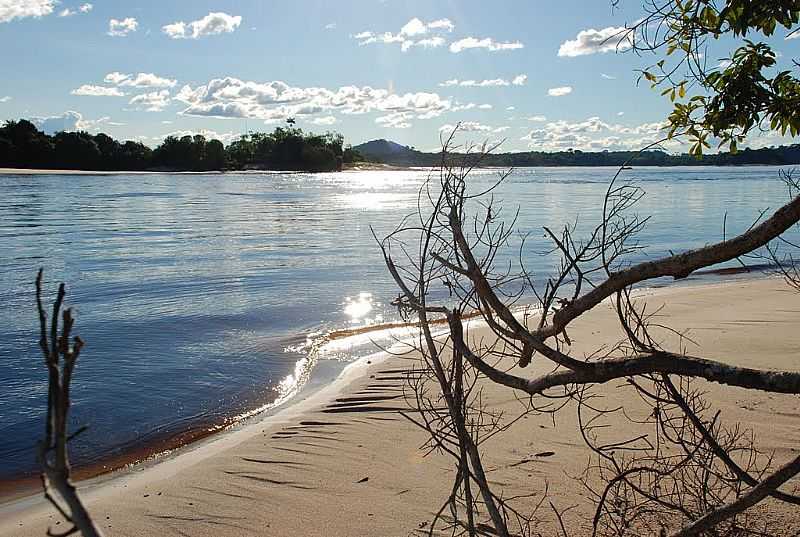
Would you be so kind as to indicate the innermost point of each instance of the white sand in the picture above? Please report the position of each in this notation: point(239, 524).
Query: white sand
point(301, 471)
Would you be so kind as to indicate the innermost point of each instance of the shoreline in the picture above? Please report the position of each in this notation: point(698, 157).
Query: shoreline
point(354, 167)
point(177, 443)
point(316, 411)
point(173, 443)
point(202, 446)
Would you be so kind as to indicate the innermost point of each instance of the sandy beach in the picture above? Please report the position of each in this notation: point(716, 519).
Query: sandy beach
point(344, 462)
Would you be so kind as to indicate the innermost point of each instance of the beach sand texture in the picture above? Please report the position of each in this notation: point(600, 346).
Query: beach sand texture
point(345, 463)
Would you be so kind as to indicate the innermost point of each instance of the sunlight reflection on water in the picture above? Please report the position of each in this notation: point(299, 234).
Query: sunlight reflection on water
point(208, 297)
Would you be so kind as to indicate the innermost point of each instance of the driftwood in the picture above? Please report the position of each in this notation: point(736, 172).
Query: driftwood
point(60, 356)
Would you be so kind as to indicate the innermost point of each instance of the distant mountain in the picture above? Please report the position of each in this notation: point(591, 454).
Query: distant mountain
point(388, 152)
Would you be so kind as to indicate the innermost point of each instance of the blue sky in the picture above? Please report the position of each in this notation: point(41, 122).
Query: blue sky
point(402, 70)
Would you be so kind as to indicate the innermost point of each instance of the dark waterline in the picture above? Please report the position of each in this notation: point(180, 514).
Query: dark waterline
point(197, 295)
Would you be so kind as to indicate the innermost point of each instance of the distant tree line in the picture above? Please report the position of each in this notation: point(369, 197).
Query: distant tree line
point(23, 145)
point(391, 153)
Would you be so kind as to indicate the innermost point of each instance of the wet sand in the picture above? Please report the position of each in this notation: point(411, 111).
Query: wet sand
point(345, 462)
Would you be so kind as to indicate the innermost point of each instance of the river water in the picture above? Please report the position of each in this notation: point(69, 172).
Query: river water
point(198, 295)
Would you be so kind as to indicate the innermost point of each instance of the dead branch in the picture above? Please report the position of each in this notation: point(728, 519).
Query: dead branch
point(60, 356)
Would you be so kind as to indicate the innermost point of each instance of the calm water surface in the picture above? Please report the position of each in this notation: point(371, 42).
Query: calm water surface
point(197, 294)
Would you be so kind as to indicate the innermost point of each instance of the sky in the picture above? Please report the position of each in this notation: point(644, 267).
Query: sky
point(535, 75)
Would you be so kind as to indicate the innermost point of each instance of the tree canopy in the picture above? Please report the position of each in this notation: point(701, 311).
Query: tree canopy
point(23, 145)
point(722, 101)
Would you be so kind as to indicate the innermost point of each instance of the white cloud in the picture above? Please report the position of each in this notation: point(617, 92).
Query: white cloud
point(485, 107)
point(324, 120)
point(414, 27)
point(121, 28)
point(5, 99)
point(70, 121)
point(410, 35)
point(275, 101)
point(397, 120)
point(330, 26)
point(592, 41)
point(141, 80)
point(559, 91)
point(608, 77)
point(83, 8)
point(154, 101)
point(487, 43)
point(97, 91)
point(211, 24)
point(511, 108)
point(593, 134)
point(442, 24)
point(21, 9)
point(472, 126)
point(518, 80)
point(224, 137)
point(536, 118)
point(115, 78)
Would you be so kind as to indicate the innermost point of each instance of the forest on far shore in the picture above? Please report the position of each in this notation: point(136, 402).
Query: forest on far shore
point(23, 145)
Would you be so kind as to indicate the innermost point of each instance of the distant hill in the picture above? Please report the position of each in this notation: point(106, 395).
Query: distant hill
point(388, 152)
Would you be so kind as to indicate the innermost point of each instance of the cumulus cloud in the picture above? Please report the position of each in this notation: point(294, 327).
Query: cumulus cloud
point(141, 80)
point(224, 137)
point(121, 28)
point(415, 33)
point(593, 134)
point(115, 77)
point(90, 90)
point(275, 101)
point(608, 77)
point(536, 118)
point(330, 26)
point(397, 120)
point(324, 120)
point(518, 80)
point(211, 24)
point(486, 43)
point(154, 101)
point(70, 121)
point(591, 41)
point(83, 8)
point(21, 9)
point(472, 126)
point(559, 91)
point(5, 99)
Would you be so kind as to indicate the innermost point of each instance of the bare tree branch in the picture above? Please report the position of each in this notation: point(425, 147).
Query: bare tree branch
point(60, 355)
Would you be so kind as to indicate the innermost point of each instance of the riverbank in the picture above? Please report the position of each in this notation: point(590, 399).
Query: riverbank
point(354, 167)
point(345, 462)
